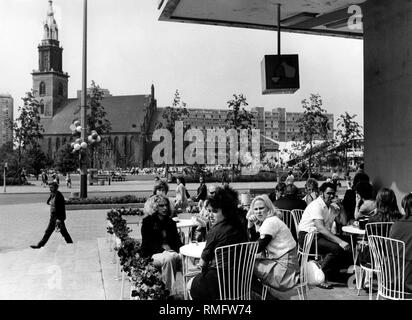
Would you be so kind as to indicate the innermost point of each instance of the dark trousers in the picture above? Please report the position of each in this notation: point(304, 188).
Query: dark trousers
point(334, 257)
point(51, 227)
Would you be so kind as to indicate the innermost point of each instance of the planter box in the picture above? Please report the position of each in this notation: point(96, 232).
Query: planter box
point(98, 206)
point(133, 219)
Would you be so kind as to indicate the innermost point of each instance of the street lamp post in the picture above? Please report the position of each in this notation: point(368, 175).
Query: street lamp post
point(83, 104)
point(4, 176)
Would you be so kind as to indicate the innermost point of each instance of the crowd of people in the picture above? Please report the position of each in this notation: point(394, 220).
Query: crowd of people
point(222, 220)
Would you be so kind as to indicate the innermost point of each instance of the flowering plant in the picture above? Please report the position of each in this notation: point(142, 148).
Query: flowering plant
point(145, 277)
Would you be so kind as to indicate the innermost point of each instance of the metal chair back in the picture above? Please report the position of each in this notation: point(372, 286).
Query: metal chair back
point(302, 286)
point(297, 216)
point(234, 265)
point(389, 256)
point(378, 229)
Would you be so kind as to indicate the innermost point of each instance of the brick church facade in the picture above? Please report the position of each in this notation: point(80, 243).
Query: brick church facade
point(130, 116)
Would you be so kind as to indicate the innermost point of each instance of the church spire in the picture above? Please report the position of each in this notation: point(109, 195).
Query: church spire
point(51, 31)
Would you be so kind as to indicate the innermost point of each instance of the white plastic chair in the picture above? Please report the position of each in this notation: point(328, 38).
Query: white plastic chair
point(297, 216)
point(389, 256)
point(373, 229)
point(234, 265)
point(302, 286)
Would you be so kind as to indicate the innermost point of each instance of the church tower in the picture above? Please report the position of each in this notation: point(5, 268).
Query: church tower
point(49, 81)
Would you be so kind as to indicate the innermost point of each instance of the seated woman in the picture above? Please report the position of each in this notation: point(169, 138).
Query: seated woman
point(277, 265)
point(279, 192)
point(160, 239)
point(402, 230)
point(349, 199)
point(227, 229)
point(162, 188)
point(365, 203)
point(312, 190)
point(386, 211)
point(386, 207)
point(203, 220)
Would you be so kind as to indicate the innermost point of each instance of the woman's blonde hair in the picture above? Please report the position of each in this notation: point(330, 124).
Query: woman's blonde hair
point(151, 204)
point(272, 210)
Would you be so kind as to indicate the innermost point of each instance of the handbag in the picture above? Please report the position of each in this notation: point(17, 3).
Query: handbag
point(315, 275)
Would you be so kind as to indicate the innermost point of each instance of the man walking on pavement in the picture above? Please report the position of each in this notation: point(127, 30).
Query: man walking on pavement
point(57, 216)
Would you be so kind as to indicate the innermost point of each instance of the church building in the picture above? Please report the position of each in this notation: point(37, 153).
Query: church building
point(130, 116)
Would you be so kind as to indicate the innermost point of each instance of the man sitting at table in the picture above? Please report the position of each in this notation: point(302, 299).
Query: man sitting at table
point(320, 214)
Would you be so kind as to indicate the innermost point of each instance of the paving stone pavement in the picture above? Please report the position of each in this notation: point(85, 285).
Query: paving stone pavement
point(86, 265)
point(24, 224)
point(86, 270)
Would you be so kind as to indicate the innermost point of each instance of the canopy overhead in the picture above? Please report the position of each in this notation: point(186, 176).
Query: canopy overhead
point(322, 17)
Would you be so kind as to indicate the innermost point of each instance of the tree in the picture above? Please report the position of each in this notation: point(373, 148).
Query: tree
point(67, 160)
point(34, 159)
point(170, 115)
point(96, 119)
point(238, 118)
point(27, 127)
point(9, 155)
point(313, 124)
point(347, 130)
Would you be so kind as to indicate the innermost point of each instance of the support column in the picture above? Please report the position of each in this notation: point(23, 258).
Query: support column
point(388, 94)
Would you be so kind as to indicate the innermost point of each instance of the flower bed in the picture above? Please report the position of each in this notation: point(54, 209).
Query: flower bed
point(145, 277)
point(107, 200)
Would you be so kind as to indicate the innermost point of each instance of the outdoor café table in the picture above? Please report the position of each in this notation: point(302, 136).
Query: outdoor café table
point(191, 250)
point(185, 223)
point(354, 233)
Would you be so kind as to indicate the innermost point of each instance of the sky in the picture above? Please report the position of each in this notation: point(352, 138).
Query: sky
point(129, 49)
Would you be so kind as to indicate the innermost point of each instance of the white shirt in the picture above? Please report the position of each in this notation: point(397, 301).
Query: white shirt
point(282, 239)
point(316, 210)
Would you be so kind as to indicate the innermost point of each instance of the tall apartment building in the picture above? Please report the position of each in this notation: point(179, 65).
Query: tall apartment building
point(282, 126)
point(276, 125)
point(216, 119)
point(6, 115)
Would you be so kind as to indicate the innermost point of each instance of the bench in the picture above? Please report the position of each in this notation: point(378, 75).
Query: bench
point(101, 178)
point(118, 178)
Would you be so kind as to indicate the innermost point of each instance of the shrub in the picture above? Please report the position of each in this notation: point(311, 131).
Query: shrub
point(107, 200)
point(146, 278)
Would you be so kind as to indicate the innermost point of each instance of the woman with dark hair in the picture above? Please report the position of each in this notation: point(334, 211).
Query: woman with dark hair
point(349, 200)
point(386, 207)
point(181, 194)
point(160, 239)
point(402, 230)
point(227, 229)
point(365, 204)
point(279, 192)
point(161, 187)
point(201, 190)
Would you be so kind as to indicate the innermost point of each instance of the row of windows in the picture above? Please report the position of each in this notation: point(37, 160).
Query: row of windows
point(42, 89)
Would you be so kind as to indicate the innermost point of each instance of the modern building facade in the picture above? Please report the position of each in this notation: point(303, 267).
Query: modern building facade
point(6, 116)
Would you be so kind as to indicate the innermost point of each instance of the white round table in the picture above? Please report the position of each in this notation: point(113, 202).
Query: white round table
point(354, 232)
point(191, 250)
point(185, 223)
